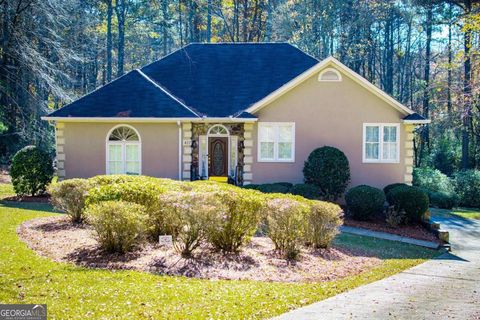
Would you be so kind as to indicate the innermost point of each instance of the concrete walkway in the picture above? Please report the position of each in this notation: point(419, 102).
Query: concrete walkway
point(389, 236)
point(444, 288)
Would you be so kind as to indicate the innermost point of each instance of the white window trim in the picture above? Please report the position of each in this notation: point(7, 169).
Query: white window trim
point(123, 144)
point(275, 143)
point(330, 70)
point(381, 142)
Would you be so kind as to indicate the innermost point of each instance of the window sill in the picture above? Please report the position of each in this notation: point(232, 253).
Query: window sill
point(382, 161)
point(277, 161)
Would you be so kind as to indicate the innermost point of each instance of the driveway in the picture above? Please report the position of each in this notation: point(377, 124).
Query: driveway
point(447, 287)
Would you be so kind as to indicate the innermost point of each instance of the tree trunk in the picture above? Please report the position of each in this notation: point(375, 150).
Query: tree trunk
point(120, 9)
point(467, 103)
point(209, 21)
point(450, 58)
point(109, 40)
point(425, 142)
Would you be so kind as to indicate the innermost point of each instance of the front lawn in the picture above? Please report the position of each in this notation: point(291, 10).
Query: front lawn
point(467, 213)
point(76, 293)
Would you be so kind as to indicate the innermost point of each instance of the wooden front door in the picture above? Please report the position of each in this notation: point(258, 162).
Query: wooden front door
point(218, 156)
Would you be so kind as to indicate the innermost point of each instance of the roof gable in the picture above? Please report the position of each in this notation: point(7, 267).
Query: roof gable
point(132, 95)
point(324, 64)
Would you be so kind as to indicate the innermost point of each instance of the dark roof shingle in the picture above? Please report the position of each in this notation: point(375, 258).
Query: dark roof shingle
point(220, 80)
point(131, 95)
point(199, 80)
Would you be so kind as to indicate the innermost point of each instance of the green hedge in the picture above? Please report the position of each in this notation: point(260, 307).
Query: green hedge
point(467, 186)
point(364, 202)
point(413, 200)
point(31, 171)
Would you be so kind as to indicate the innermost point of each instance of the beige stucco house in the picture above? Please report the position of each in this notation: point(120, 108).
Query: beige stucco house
point(251, 112)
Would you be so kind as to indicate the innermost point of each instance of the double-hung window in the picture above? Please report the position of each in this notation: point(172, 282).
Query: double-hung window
point(381, 142)
point(276, 141)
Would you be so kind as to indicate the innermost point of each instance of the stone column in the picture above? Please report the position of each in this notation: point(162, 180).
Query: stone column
point(247, 153)
point(409, 153)
point(60, 144)
point(186, 150)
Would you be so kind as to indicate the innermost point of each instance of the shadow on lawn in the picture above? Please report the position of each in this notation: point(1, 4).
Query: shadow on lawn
point(34, 206)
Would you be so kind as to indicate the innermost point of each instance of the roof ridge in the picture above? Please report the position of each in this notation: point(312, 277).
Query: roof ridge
point(167, 92)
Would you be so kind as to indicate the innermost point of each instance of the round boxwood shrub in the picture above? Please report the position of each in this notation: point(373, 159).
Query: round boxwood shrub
point(390, 187)
point(467, 186)
point(328, 168)
point(364, 202)
point(31, 171)
point(306, 190)
point(413, 200)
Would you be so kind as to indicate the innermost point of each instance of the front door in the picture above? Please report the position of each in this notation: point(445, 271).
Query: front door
point(218, 156)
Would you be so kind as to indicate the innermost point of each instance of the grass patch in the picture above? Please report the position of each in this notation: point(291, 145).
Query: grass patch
point(77, 293)
point(6, 190)
point(467, 213)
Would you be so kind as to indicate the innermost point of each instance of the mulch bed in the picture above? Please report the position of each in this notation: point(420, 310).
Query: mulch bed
point(379, 224)
point(59, 239)
point(42, 198)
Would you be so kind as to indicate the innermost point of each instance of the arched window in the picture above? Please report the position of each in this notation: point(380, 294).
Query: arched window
point(123, 151)
point(330, 75)
point(218, 130)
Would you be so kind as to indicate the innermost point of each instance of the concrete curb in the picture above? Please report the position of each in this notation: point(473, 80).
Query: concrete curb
point(389, 236)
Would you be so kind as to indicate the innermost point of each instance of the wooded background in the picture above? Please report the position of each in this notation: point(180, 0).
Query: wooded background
point(423, 53)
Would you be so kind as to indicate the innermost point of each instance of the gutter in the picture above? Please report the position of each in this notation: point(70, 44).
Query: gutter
point(146, 120)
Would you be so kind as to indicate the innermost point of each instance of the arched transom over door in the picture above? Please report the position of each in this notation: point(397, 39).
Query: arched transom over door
point(123, 151)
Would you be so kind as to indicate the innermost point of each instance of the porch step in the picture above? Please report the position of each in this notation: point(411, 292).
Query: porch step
point(219, 179)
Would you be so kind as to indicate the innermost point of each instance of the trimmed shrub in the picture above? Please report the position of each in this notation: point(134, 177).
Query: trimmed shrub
point(287, 219)
point(443, 200)
point(308, 191)
point(467, 185)
point(31, 171)
point(251, 186)
point(323, 219)
point(69, 196)
point(390, 187)
point(432, 180)
point(328, 168)
point(364, 202)
point(143, 191)
point(119, 225)
point(285, 184)
point(236, 220)
point(273, 188)
point(187, 216)
point(411, 199)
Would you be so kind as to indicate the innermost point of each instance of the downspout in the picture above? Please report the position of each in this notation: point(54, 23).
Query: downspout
point(179, 150)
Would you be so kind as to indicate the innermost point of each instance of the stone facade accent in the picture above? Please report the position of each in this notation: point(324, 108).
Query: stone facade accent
point(187, 150)
point(248, 150)
point(409, 153)
point(235, 129)
point(60, 144)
